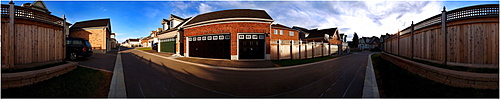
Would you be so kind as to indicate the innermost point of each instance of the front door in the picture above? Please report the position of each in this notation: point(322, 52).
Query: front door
point(251, 46)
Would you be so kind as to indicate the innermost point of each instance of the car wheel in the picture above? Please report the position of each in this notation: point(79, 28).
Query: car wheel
point(72, 56)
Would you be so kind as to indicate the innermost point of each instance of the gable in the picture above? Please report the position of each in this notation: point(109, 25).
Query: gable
point(39, 4)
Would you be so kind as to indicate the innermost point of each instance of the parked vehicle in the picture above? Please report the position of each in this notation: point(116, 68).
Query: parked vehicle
point(78, 47)
point(155, 46)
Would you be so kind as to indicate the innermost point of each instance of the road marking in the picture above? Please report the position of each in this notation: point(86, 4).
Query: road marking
point(141, 89)
point(117, 88)
point(350, 66)
point(351, 82)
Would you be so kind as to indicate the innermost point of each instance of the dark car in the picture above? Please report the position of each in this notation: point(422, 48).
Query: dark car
point(78, 47)
point(155, 46)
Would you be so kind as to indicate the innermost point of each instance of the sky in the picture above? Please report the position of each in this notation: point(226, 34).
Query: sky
point(134, 19)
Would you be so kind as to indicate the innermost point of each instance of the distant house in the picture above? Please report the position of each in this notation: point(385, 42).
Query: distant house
point(131, 43)
point(113, 41)
point(37, 5)
point(330, 35)
point(283, 33)
point(98, 32)
point(368, 43)
point(382, 40)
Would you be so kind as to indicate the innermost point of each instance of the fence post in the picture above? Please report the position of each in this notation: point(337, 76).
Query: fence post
point(329, 49)
point(443, 29)
point(300, 46)
point(291, 49)
point(322, 49)
point(398, 42)
point(64, 33)
point(313, 45)
point(306, 50)
point(412, 40)
point(11, 36)
point(279, 45)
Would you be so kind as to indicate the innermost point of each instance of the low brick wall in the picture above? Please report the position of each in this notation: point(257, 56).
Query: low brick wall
point(446, 76)
point(20, 79)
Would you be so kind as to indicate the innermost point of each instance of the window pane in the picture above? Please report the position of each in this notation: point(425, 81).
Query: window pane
point(281, 32)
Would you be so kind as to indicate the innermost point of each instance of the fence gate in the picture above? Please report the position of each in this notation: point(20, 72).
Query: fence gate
point(251, 46)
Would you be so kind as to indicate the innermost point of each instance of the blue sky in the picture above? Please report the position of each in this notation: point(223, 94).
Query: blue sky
point(133, 19)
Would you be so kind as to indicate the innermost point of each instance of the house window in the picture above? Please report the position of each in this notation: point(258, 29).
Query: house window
point(281, 32)
point(276, 32)
point(292, 33)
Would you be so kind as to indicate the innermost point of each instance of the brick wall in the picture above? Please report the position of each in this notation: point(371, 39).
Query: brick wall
point(95, 36)
point(233, 29)
point(446, 76)
point(285, 36)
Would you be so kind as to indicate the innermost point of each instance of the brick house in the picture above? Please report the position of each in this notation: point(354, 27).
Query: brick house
point(97, 31)
point(171, 38)
point(229, 34)
point(283, 33)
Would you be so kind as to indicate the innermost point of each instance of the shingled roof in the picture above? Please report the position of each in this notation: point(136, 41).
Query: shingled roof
point(279, 26)
point(320, 33)
point(91, 23)
point(235, 13)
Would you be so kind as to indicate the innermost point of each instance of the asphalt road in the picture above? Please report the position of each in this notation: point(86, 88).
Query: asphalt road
point(100, 61)
point(148, 75)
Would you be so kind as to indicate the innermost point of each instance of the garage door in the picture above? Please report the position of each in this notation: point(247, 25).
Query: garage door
point(210, 46)
point(167, 45)
point(251, 46)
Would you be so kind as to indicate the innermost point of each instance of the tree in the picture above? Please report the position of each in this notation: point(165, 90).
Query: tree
point(355, 40)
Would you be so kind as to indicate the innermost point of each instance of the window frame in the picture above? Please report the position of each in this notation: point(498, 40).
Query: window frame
point(291, 33)
point(281, 32)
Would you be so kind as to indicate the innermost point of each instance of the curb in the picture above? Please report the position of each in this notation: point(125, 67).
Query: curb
point(117, 87)
point(370, 89)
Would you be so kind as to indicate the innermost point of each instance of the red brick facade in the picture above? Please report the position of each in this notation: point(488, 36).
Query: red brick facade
point(96, 37)
point(285, 36)
point(233, 29)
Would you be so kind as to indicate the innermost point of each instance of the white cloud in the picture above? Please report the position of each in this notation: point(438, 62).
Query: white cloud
point(366, 18)
point(204, 8)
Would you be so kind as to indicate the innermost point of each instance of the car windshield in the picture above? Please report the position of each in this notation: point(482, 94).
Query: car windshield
point(88, 44)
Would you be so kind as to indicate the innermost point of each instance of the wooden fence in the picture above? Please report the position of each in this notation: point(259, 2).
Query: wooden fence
point(30, 37)
point(468, 37)
point(302, 50)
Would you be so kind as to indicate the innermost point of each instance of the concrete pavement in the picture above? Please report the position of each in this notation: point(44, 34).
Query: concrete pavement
point(147, 75)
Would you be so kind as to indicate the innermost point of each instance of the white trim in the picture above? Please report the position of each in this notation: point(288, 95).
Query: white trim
point(186, 53)
point(187, 27)
point(185, 22)
point(227, 19)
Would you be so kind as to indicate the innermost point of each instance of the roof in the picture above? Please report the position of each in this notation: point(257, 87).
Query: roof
point(235, 13)
point(300, 28)
point(92, 23)
point(279, 26)
point(320, 33)
point(177, 17)
point(133, 39)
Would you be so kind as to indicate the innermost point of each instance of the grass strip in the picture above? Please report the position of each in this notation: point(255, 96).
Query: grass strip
point(33, 68)
point(145, 48)
point(396, 82)
point(452, 67)
point(80, 82)
point(289, 62)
